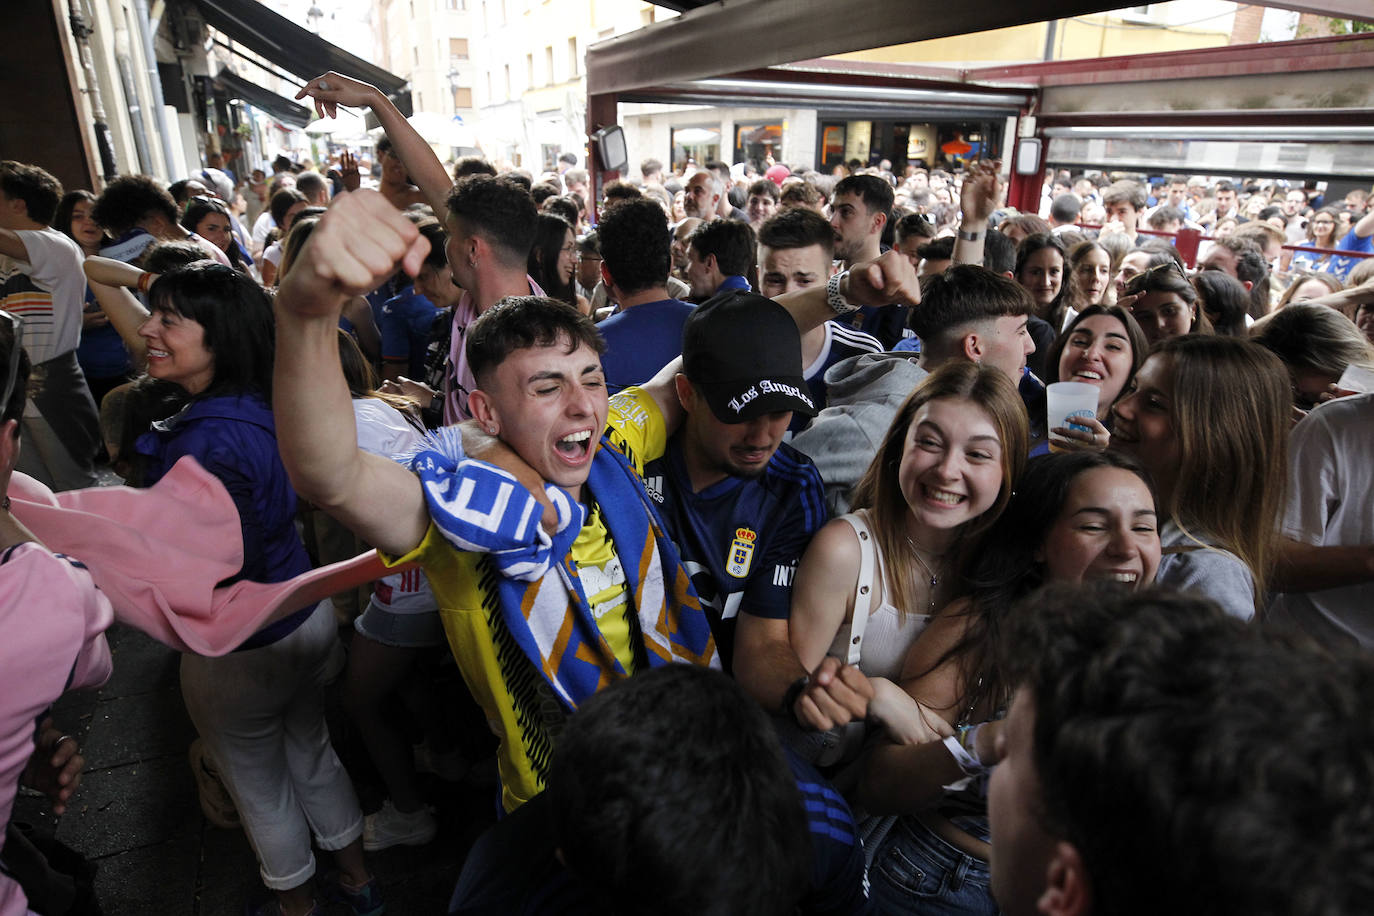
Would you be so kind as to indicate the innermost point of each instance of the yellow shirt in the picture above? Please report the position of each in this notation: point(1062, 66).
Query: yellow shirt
point(521, 709)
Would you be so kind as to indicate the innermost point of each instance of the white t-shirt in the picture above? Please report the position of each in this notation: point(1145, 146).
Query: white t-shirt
point(262, 228)
point(47, 292)
point(1330, 479)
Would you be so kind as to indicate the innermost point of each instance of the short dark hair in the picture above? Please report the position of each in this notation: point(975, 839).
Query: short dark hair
point(797, 227)
point(799, 194)
point(1125, 192)
point(618, 191)
point(236, 314)
point(565, 206)
point(999, 253)
point(543, 191)
point(664, 762)
point(569, 158)
point(1157, 716)
point(731, 241)
point(499, 212)
point(636, 245)
point(520, 178)
point(128, 199)
point(1165, 214)
point(163, 257)
point(472, 165)
point(1027, 222)
point(309, 183)
point(913, 224)
point(521, 322)
point(649, 166)
point(1223, 186)
point(764, 187)
point(39, 190)
point(875, 192)
point(963, 294)
point(941, 249)
point(1065, 208)
point(1251, 267)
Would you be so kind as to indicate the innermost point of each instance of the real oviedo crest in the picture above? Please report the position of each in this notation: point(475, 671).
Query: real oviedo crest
point(741, 552)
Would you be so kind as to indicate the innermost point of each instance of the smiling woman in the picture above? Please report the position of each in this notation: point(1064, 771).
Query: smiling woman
point(1075, 517)
point(1102, 346)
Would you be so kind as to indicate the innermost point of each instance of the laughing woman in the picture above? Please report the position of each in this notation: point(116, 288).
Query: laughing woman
point(259, 709)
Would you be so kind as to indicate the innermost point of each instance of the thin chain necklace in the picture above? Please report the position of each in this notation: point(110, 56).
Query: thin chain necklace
point(934, 579)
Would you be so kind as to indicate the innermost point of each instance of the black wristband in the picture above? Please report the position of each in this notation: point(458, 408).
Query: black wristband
point(794, 690)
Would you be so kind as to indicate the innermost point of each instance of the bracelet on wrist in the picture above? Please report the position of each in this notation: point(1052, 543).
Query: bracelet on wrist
point(834, 298)
point(971, 236)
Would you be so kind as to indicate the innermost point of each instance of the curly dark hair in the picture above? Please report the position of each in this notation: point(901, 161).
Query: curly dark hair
point(39, 190)
point(129, 199)
point(636, 245)
point(1155, 717)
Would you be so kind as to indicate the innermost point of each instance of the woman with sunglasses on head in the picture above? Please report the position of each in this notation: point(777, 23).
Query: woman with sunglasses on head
point(1164, 303)
point(1208, 417)
point(1075, 517)
point(259, 709)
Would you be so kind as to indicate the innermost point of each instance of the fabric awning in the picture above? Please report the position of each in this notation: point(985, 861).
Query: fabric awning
point(283, 109)
point(289, 46)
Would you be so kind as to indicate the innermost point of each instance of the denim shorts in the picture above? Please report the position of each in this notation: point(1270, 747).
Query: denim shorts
point(914, 871)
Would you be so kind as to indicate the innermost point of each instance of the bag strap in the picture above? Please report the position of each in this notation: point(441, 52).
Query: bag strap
point(863, 590)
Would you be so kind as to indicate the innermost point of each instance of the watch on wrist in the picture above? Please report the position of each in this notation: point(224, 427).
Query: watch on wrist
point(833, 298)
point(971, 236)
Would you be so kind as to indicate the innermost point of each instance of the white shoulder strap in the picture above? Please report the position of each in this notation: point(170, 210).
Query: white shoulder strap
point(863, 591)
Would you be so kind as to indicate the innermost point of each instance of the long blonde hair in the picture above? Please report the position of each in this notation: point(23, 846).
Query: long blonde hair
point(1231, 409)
point(880, 491)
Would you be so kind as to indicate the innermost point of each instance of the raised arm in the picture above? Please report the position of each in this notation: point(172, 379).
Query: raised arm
point(889, 279)
point(977, 199)
point(334, 89)
point(111, 282)
point(357, 244)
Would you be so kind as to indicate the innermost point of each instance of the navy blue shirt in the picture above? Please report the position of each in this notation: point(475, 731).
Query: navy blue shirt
point(406, 321)
point(740, 539)
point(841, 342)
point(641, 340)
point(512, 869)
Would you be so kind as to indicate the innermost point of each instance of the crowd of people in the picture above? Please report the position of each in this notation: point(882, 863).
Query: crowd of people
point(648, 459)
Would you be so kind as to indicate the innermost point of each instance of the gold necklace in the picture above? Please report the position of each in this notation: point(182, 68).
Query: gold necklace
point(934, 579)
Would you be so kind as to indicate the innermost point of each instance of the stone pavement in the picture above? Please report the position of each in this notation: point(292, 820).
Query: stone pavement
point(136, 814)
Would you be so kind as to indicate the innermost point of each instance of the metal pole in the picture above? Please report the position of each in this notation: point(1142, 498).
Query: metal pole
point(104, 142)
point(142, 21)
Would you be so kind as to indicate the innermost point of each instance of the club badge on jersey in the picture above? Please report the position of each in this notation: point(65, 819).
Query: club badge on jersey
point(741, 553)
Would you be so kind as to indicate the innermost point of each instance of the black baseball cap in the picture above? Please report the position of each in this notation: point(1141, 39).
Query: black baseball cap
point(742, 351)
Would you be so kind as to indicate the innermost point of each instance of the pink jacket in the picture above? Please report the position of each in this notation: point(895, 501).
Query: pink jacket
point(158, 553)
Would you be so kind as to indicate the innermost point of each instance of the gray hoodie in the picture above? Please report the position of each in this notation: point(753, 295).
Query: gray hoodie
point(865, 393)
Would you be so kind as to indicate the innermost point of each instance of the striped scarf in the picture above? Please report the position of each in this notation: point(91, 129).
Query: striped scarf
point(478, 507)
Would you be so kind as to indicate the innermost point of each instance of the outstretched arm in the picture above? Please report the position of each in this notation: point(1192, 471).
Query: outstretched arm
point(357, 244)
point(334, 89)
point(977, 199)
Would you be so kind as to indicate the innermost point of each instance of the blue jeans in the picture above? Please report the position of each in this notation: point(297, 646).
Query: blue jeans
point(914, 871)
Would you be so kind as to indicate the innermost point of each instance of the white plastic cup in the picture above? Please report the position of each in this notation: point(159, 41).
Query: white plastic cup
point(1356, 379)
point(1065, 401)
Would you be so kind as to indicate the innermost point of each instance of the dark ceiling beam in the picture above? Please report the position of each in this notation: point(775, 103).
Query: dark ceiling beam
point(714, 39)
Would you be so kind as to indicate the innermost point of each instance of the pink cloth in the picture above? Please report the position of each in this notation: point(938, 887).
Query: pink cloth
point(458, 380)
point(52, 618)
point(158, 553)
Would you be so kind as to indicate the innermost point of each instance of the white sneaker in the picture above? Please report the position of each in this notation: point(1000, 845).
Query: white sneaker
point(389, 827)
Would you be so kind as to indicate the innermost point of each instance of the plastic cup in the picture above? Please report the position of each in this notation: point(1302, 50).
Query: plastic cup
point(1356, 379)
point(1065, 401)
